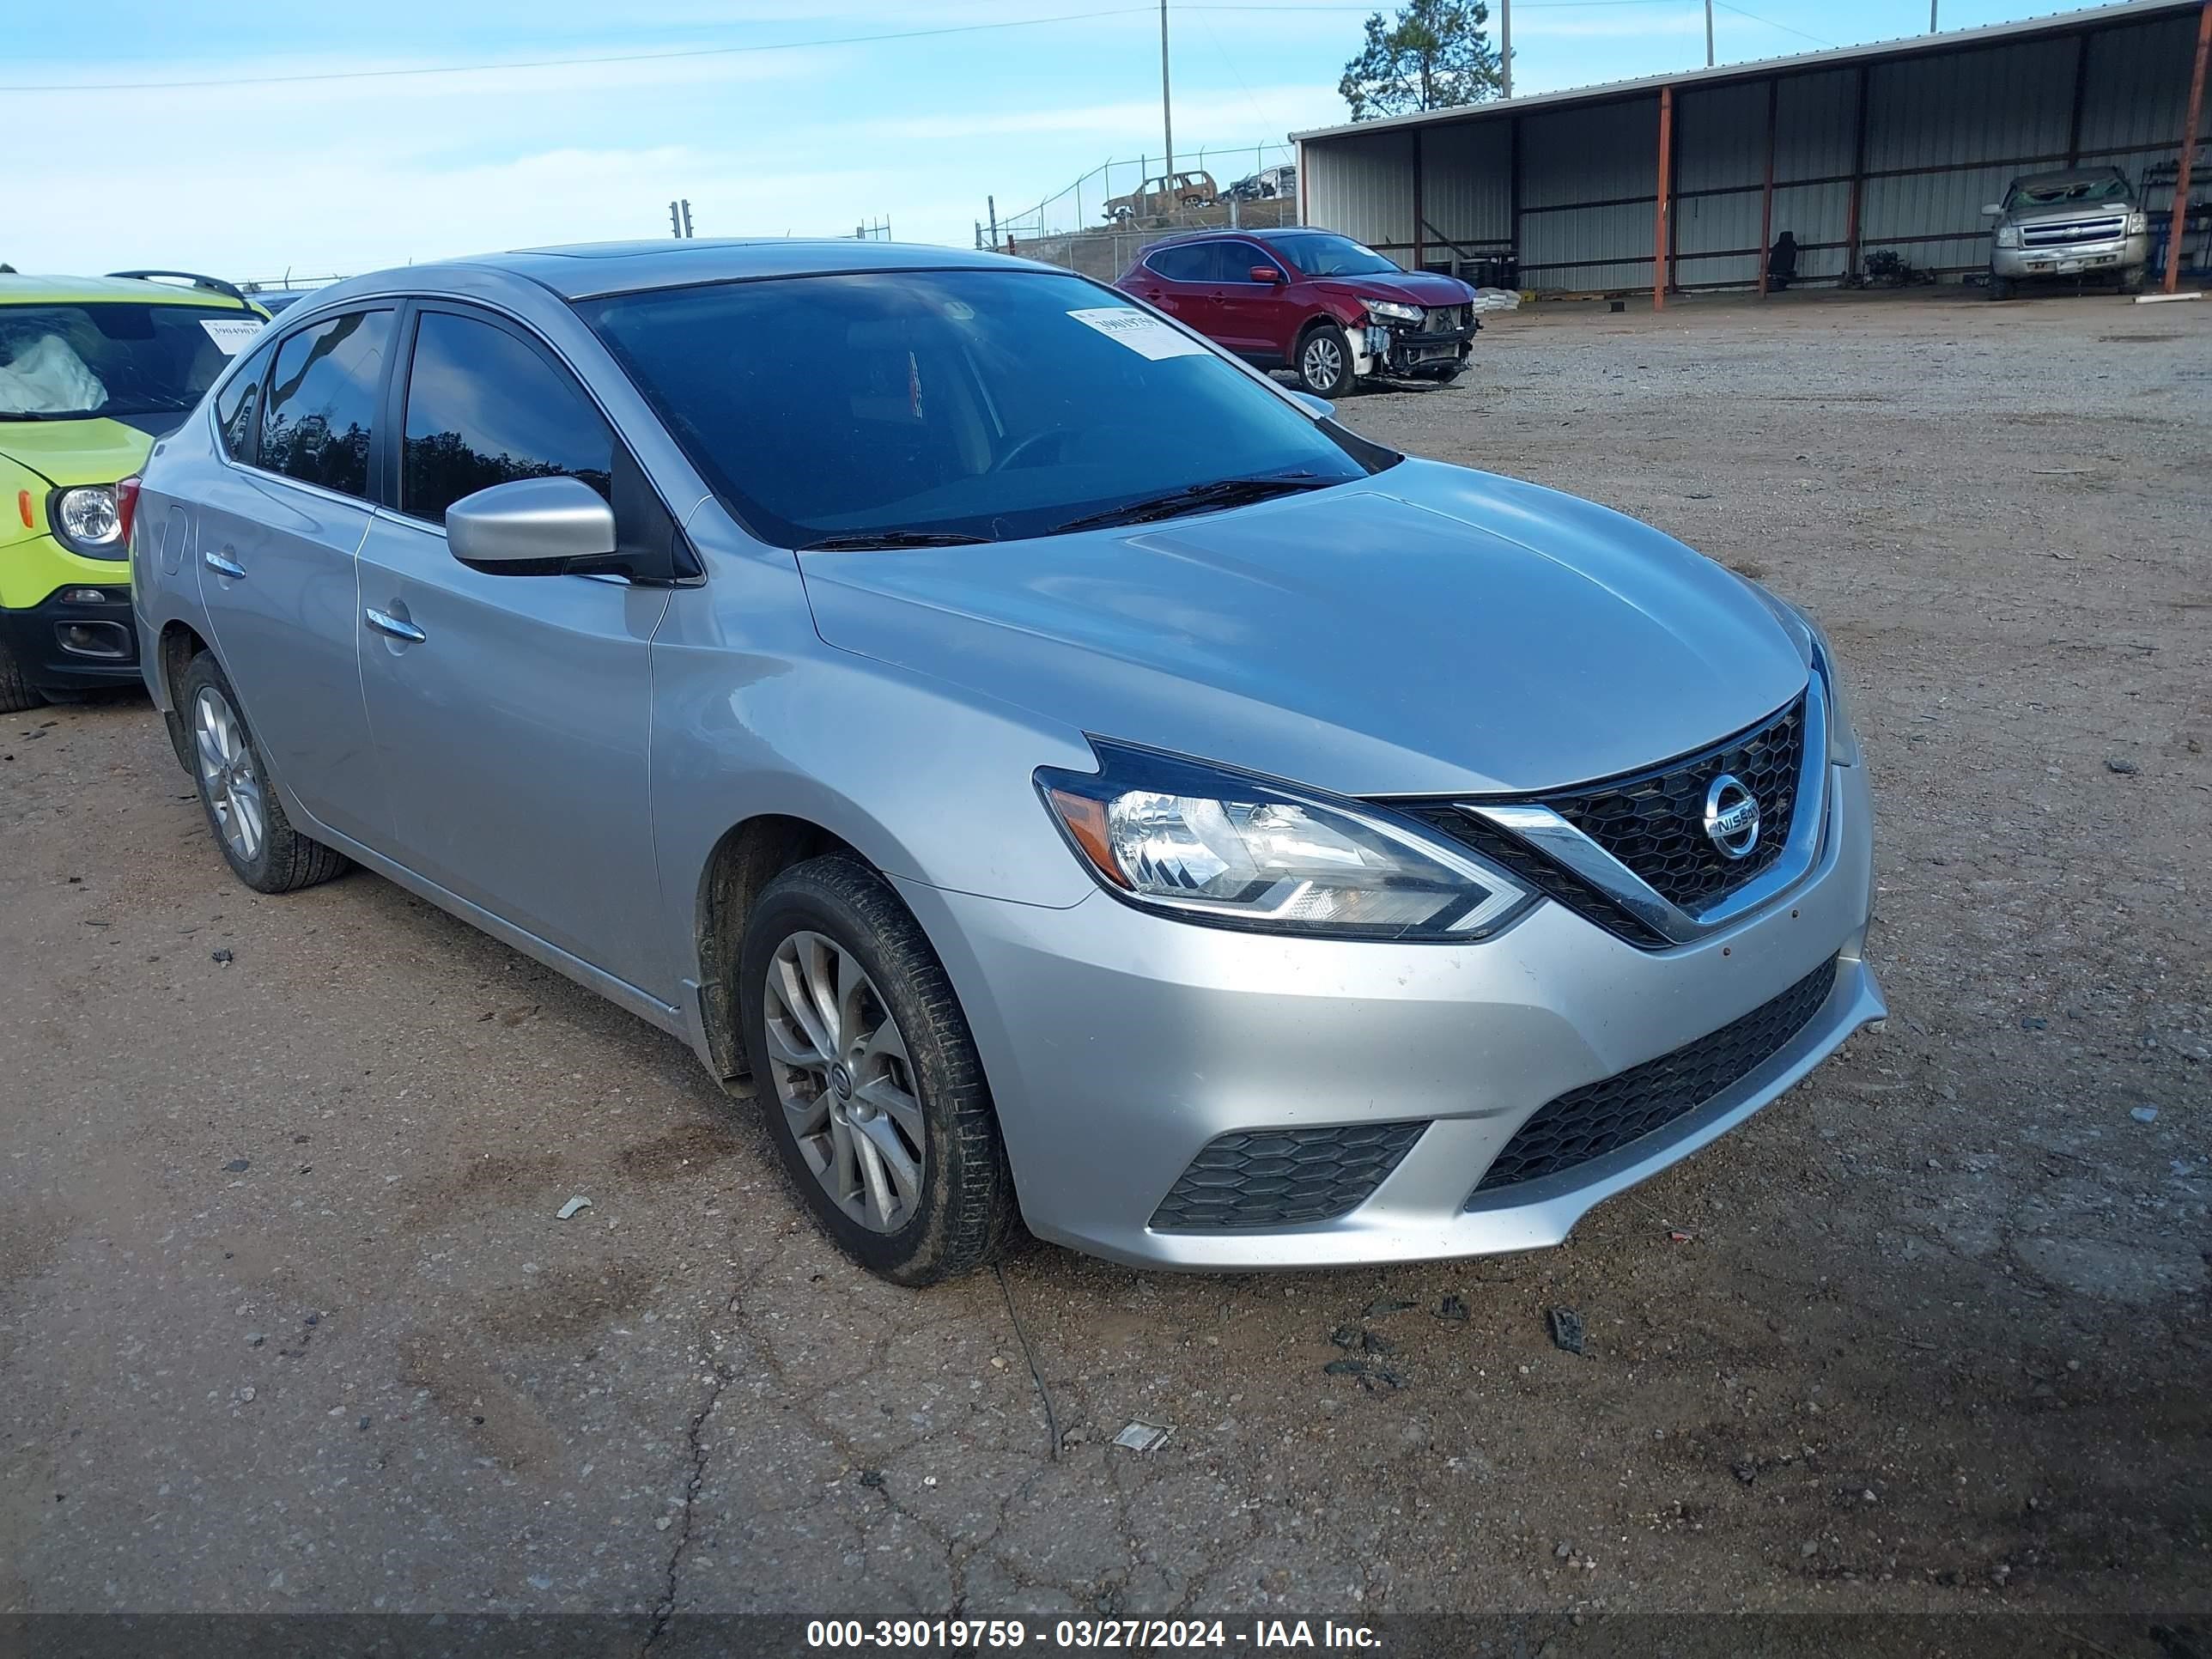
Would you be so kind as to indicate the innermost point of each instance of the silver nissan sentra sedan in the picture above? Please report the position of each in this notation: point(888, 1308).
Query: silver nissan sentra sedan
point(1072, 776)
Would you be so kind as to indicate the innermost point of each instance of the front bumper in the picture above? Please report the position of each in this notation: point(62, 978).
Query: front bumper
point(66, 644)
point(2083, 259)
point(1119, 1044)
point(1412, 352)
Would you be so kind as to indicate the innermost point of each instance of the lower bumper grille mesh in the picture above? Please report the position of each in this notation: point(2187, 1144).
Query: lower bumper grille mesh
point(1274, 1178)
point(1603, 1117)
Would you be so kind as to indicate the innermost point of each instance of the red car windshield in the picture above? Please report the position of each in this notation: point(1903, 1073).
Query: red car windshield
point(1333, 256)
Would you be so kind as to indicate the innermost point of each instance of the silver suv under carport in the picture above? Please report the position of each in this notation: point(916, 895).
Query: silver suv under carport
point(2087, 222)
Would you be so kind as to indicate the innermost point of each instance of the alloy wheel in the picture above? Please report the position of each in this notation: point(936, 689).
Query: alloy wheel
point(1323, 362)
point(843, 1079)
point(227, 775)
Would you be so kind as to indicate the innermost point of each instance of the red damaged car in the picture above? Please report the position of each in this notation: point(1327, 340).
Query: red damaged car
point(1312, 301)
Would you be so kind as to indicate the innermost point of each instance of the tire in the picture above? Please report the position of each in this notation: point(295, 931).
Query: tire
point(2001, 288)
point(1324, 362)
point(834, 923)
point(232, 776)
point(16, 693)
point(2131, 279)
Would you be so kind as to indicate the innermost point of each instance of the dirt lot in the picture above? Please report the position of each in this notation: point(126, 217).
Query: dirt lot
point(287, 1323)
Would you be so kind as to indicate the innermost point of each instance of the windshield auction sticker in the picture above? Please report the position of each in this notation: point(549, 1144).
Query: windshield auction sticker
point(230, 336)
point(1145, 335)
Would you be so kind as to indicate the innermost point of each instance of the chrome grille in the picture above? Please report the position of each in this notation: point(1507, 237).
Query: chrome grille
point(2067, 231)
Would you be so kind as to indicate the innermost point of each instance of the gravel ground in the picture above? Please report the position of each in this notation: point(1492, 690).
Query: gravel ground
point(287, 1322)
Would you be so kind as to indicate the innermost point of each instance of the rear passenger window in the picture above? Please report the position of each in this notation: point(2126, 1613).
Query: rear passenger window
point(1184, 264)
point(237, 404)
point(484, 408)
point(321, 402)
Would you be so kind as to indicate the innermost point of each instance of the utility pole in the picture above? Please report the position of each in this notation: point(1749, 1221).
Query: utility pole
point(1709, 32)
point(1505, 44)
point(1167, 116)
point(1931, 16)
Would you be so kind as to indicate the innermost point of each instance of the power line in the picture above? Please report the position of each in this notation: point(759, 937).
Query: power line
point(574, 63)
point(1772, 24)
point(595, 60)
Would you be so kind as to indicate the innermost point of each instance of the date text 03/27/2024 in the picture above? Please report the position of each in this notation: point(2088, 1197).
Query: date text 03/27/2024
point(1140, 1635)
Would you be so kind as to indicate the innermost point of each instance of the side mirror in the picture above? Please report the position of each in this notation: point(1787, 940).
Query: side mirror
point(1322, 409)
point(1266, 274)
point(530, 527)
point(1994, 209)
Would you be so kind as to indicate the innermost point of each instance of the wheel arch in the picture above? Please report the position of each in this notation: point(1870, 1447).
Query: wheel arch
point(173, 651)
point(750, 854)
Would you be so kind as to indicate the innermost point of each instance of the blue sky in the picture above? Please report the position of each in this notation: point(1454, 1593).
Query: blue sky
point(324, 175)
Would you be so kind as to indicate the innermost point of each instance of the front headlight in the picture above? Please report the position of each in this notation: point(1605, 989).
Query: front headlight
point(2007, 235)
point(1820, 657)
point(1842, 714)
point(1212, 846)
point(88, 519)
point(1391, 310)
point(2138, 223)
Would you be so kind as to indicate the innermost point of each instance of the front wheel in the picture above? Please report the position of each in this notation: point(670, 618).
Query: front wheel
point(2131, 279)
point(16, 693)
point(874, 1093)
point(1325, 360)
point(2001, 288)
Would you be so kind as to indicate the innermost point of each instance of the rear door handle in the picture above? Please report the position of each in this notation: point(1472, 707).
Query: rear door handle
point(223, 565)
point(385, 622)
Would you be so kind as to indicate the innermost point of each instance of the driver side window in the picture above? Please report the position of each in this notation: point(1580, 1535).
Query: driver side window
point(484, 408)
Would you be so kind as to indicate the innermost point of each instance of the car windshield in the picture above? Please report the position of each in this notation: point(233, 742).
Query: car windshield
point(109, 357)
point(1333, 256)
point(2053, 193)
point(961, 404)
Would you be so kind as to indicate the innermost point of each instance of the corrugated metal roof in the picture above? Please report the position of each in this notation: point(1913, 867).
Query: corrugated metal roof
point(1953, 40)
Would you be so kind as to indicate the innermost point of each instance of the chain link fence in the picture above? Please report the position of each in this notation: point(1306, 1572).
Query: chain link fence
point(1099, 223)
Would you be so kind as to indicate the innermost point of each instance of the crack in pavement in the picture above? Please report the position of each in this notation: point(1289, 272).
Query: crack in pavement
point(696, 1444)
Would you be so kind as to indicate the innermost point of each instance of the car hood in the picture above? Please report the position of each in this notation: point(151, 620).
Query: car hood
point(94, 450)
point(1418, 288)
point(1429, 630)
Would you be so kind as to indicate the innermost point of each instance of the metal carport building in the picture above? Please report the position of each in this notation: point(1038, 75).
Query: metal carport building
point(1680, 182)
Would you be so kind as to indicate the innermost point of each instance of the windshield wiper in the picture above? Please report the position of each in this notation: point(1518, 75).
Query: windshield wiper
point(862, 540)
point(1221, 493)
point(46, 414)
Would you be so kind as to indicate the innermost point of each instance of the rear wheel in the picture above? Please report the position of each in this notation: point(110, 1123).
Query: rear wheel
point(1325, 360)
point(257, 840)
point(873, 1091)
point(16, 693)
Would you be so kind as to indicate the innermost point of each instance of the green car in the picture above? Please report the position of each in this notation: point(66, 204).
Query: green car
point(92, 371)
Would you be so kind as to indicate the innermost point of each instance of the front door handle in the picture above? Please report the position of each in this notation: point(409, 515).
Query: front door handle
point(385, 622)
point(223, 565)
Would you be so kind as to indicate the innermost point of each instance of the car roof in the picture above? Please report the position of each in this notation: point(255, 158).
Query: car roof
point(1217, 234)
point(17, 289)
point(587, 270)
